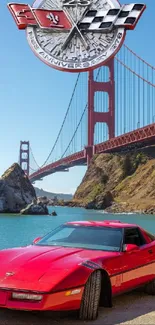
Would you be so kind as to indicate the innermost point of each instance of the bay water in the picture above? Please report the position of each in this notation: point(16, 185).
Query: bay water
point(20, 230)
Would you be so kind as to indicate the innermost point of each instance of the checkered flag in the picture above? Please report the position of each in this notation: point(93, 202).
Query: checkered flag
point(126, 16)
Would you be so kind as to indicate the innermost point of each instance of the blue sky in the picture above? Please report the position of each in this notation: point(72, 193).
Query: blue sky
point(30, 101)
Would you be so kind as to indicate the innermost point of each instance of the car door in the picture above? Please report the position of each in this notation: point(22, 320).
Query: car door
point(150, 249)
point(138, 266)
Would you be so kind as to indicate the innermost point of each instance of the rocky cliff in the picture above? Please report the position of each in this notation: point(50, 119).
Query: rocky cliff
point(16, 191)
point(119, 182)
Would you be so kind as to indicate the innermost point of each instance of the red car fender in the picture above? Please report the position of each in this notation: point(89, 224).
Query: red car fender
point(79, 276)
point(76, 278)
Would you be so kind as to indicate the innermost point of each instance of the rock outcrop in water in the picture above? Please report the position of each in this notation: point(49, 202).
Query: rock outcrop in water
point(35, 208)
point(16, 191)
point(119, 183)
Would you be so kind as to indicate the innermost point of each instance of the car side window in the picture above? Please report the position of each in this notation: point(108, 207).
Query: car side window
point(133, 236)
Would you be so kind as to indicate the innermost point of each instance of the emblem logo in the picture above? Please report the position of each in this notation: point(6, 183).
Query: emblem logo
point(76, 35)
point(9, 273)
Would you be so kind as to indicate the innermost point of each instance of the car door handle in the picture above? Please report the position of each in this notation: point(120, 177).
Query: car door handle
point(150, 251)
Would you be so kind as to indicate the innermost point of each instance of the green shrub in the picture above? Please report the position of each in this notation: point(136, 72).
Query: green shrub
point(139, 159)
point(97, 189)
point(104, 179)
point(127, 166)
point(131, 162)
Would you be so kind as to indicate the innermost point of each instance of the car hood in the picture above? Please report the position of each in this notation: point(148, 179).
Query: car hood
point(43, 265)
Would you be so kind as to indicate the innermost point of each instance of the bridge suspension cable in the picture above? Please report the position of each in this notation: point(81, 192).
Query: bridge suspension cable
point(58, 136)
point(33, 163)
point(63, 121)
point(135, 92)
point(34, 157)
point(134, 104)
point(78, 125)
point(138, 57)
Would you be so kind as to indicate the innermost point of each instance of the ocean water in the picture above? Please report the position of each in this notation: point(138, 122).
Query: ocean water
point(19, 230)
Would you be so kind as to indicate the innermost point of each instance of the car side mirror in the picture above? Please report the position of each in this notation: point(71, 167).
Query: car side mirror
point(36, 240)
point(130, 248)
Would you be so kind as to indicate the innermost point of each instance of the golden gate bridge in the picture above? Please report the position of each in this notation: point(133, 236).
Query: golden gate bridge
point(111, 109)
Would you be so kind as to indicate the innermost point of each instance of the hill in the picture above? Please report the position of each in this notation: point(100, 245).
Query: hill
point(49, 195)
point(119, 183)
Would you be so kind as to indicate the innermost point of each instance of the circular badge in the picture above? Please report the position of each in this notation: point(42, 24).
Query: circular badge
point(84, 34)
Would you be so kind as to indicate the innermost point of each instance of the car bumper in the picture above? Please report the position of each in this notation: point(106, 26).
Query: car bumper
point(50, 301)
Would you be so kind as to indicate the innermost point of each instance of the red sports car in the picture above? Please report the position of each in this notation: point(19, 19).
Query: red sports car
point(78, 266)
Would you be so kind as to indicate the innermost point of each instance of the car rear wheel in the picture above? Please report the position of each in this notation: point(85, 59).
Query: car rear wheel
point(150, 288)
point(91, 297)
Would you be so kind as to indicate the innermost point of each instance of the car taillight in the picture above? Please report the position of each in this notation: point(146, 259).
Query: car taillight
point(26, 296)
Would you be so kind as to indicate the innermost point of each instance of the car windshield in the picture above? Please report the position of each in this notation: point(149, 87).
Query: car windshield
point(95, 238)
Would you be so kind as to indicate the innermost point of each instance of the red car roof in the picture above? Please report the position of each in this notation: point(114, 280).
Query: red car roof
point(105, 223)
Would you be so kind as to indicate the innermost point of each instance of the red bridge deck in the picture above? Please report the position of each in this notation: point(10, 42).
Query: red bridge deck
point(141, 137)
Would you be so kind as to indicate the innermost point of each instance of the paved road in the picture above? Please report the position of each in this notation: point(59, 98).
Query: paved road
point(130, 309)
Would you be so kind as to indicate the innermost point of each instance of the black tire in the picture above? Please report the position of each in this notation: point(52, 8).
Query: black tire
point(91, 297)
point(150, 288)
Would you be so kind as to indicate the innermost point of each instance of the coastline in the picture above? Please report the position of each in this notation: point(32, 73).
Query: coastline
point(115, 208)
point(118, 183)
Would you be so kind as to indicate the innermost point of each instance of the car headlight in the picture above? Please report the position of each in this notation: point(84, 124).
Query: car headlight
point(26, 296)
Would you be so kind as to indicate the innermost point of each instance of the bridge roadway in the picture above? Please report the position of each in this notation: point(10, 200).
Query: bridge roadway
point(140, 138)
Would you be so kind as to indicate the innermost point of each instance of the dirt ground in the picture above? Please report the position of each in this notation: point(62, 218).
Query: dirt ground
point(130, 309)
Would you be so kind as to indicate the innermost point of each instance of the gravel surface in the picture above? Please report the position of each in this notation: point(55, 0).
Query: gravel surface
point(134, 308)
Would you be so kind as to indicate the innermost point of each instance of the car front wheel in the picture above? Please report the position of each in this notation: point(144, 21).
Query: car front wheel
point(91, 297)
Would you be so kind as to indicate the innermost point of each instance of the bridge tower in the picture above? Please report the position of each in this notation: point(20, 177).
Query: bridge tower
point(101, 117)
point(24, 156)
